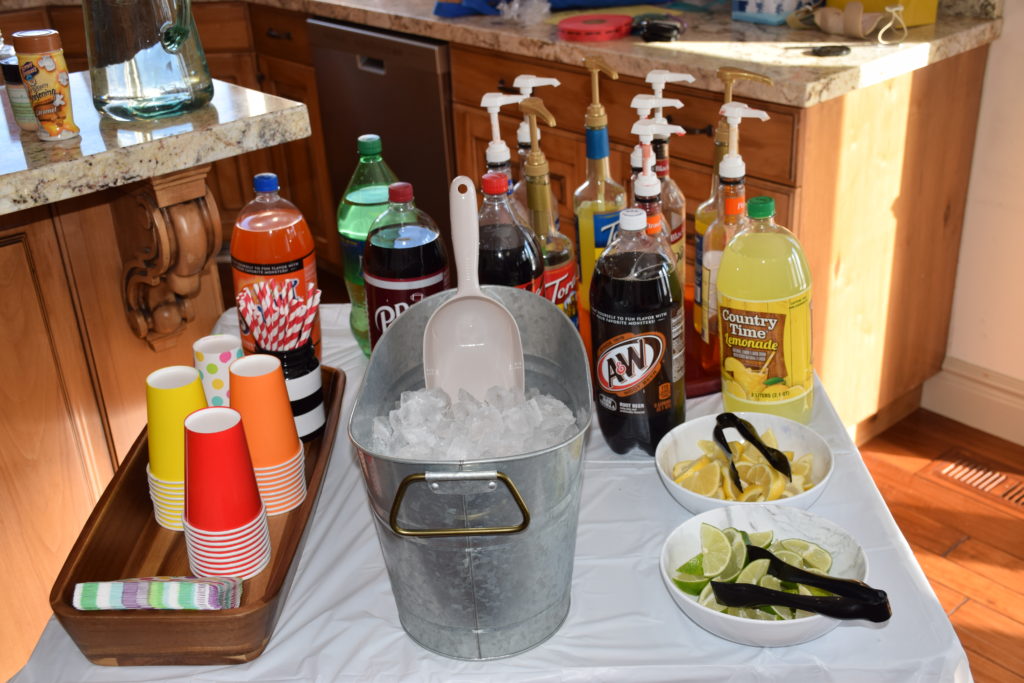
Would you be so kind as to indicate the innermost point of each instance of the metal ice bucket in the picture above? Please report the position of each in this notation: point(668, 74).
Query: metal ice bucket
point(479, 553)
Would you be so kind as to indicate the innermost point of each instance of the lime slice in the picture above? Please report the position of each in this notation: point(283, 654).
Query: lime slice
point(707, 599)
point(732, 533)
point(769, 581)
point(688, 583)
point(737, 560)
point(694, 565)
point(784, 613)
point(751, 613)
point(704, 482)
point(716, 549)
point(789, 557)
point(762, 539)
point(812, 554)
point(753, 572)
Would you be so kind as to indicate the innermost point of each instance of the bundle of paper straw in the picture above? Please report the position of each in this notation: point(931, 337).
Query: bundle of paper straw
point(279, 318)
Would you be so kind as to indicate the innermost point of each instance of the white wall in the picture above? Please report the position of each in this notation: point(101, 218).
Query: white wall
point(982, 383)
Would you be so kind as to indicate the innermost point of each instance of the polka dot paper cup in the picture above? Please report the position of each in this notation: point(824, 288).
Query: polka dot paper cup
point(213, 355)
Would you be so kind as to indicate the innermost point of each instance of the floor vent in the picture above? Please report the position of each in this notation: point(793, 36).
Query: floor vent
point(962, 468)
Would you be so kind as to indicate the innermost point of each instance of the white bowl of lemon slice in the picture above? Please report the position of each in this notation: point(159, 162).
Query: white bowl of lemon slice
point(696, 472)
point(795, 536)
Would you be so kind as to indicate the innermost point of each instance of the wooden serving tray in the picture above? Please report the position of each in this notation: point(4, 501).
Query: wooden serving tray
point(121, 539)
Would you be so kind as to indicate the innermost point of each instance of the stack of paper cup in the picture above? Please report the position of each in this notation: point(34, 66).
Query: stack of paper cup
point(212, 356)
point(171, 394)
point(226, 532)
point(258, 392)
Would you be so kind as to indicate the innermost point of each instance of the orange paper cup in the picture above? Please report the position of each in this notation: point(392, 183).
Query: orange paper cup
point(258, 392)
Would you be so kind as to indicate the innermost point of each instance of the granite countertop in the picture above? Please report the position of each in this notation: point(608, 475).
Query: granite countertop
point(110, 153)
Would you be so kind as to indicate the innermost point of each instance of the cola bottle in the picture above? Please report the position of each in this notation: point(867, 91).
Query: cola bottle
point(637, 336)
point(509, 252)
point(405, 260)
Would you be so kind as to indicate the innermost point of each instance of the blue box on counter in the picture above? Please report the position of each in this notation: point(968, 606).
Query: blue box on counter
point(772, 12)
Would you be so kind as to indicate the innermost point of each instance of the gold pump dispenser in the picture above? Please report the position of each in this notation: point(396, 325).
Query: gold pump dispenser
point(560, 271)
point(729, 75)
point(597, 117)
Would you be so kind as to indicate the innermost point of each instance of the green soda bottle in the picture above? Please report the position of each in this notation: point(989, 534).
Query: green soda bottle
point(365, 198)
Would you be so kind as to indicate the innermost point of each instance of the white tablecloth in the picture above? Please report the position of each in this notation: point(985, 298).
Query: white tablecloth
point(339, 621)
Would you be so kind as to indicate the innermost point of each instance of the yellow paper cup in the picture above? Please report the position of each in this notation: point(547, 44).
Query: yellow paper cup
point(172, 393)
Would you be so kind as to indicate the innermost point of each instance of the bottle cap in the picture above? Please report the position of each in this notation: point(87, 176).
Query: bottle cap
point(369, 144)
point(761, 207)
point(400, 193)
point(265, 182)
point(633, 219)
point(36, 40)
point(494, 183)
point(12, 74)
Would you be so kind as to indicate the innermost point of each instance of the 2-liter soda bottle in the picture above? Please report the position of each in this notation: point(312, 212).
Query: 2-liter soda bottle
point(365, 198)
point(637, 337)
point(509, 252)
point(272, 243)
point(404, 262)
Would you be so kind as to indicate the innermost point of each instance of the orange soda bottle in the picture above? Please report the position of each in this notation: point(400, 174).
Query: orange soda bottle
point(272, 244)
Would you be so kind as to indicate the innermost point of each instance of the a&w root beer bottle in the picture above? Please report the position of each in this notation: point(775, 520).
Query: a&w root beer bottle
point(637, 335)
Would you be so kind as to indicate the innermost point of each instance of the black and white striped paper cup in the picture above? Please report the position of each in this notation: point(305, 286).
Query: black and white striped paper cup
point(305, 390)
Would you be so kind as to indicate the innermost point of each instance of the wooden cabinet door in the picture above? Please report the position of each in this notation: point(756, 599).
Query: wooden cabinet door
point(54, 458)
point(302, 165)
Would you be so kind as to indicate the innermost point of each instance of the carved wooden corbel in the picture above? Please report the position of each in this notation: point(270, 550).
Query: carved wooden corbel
point(184, 234)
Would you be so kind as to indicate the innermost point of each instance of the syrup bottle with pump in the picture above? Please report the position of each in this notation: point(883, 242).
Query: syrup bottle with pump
point(706, 382)
point(647, 187)
point(560, 269)
point(730, 220)
point(497, 155)
point(526, 84)
point(598, 201)
point(673, 202)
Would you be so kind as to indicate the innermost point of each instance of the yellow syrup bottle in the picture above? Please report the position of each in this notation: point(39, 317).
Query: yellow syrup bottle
point(764, 307)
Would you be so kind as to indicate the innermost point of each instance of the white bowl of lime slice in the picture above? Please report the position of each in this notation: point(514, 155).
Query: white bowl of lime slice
point(794, 535)
point(695, 471)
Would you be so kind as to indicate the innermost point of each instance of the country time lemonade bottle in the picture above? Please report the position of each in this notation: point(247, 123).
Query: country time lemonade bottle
point(764, 304)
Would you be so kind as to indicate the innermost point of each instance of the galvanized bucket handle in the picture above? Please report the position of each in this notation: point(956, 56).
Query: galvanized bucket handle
point(432, 478)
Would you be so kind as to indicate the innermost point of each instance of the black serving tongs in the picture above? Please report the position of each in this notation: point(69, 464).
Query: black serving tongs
point(851, 600)
point(774, 456)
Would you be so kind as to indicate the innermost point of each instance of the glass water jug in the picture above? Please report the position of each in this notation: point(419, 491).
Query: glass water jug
point(145, 58)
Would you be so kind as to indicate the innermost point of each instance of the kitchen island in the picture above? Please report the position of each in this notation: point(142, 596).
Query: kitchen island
point(107, 246)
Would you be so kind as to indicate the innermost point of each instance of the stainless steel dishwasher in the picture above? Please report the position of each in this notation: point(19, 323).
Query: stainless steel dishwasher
point(394, 85)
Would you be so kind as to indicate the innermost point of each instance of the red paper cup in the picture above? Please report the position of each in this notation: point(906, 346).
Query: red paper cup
point(244, 571)
point(221, 543)
point(257, 524)
point(240, 555)
point(220, 486)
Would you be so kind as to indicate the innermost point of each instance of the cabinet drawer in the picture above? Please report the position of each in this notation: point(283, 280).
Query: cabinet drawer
point(223, 26)
point(280, 33)
point(23, 20)
point(768, 147)
point(71, 25)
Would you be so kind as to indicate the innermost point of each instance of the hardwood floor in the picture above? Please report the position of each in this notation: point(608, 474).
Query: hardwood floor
point(970, 543)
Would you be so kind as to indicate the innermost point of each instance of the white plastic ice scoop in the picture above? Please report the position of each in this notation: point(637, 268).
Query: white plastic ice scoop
point(471, 341)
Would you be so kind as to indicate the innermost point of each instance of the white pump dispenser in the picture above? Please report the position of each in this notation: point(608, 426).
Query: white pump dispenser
point(647, 183)
point(732, 165)
point(525, 83)
point(497, 151)
point(645, 104)
point(658, 78)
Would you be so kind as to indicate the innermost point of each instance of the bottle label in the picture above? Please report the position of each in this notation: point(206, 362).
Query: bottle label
point(388, 298)
point(709, 295)
point(639, 360)
point(604, 225)
point(766, 348)
point(698, 280)
point(297, 273)
point(352, 257)
point(560, 288)
point(735, 206)
point(661, 167)
point(676, 228)
point(536, 285)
